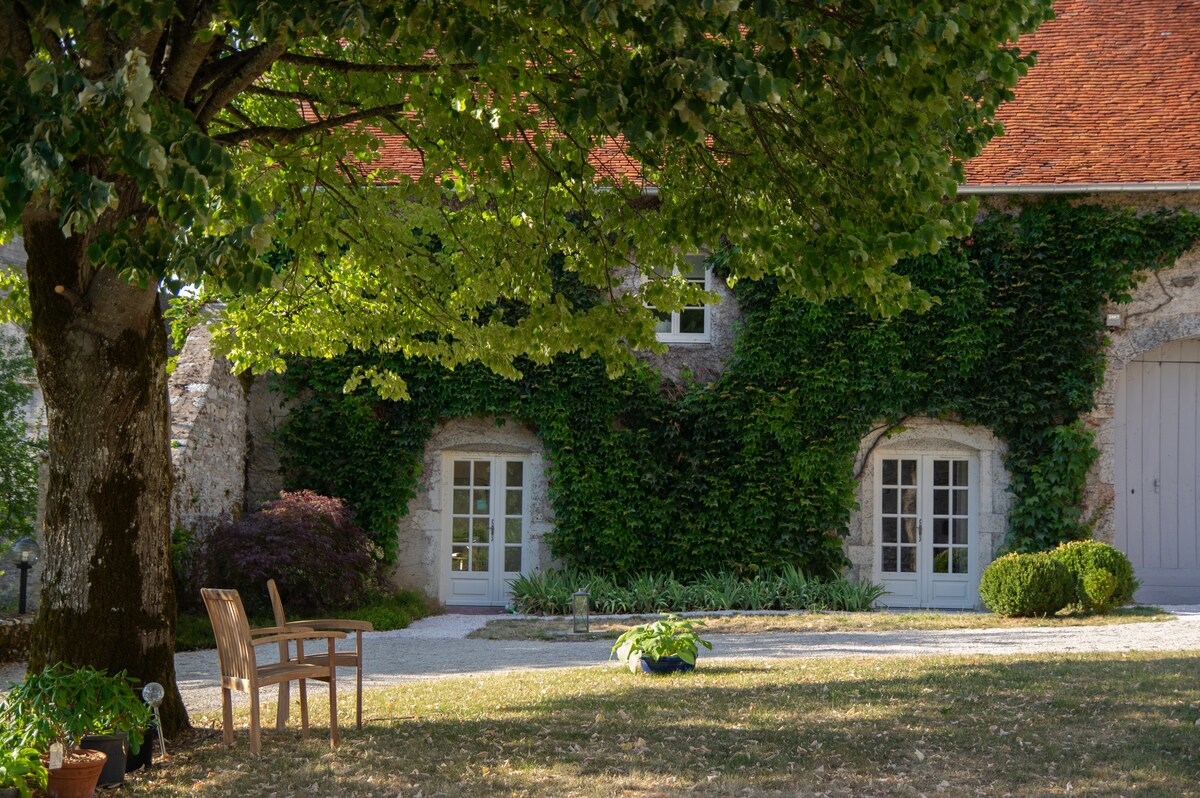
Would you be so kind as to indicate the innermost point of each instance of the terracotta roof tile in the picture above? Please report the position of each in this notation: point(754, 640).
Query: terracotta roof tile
point(1114, 98)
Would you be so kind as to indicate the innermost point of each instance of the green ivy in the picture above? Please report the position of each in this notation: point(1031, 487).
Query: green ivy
point(756, 468)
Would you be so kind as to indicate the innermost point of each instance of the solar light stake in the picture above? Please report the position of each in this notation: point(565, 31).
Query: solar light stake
point(579, 611)
point(153, 694)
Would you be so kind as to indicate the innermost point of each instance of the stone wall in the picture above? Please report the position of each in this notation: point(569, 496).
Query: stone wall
point(208, 437)
point(266, 411)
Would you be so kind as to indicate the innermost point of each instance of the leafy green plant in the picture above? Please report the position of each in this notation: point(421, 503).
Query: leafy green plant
point(63, 704)
point(22, 769)
point(1024, 585)
point(671, 636)
point(1103, 575)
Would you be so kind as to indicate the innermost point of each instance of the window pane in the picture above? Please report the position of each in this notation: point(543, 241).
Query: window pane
point(889, 472)
point(458, 558)
point(513, 501)
point(941, 560)
point(512, 530)
point(941, 472)
point(693, 268)
point(908, 500)
point(909, 529)
point(512, 559)
point(960, 502)
point(908, 559)
point(890, 501)
point(889, 559)
point(941, 502)
point(960, 561)
point(664, 322)
point(462, 501)
point(960, 473)
point(888, 533)
point(460, 531)
point(941, 531)
point(908, 472)
point(479, 558)
point(514, 473)
point(483, 473)
point(691, 320)
point(462, 472)
point(960, 531)
point(481, 501)
point(480, 530)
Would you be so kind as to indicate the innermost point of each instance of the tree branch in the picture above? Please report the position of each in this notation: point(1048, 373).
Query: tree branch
point(239, 80)
point(287, 135)
point(185, 54)
point(347, 67)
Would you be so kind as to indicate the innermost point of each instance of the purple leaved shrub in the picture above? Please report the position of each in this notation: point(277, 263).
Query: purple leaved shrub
point(308, 544)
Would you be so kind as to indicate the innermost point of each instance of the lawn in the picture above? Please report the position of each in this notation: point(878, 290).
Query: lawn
point(1096, 725)
point(551, 629)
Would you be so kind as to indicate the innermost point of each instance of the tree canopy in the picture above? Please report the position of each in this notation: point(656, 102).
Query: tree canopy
point(438, 179)
point(817, 142)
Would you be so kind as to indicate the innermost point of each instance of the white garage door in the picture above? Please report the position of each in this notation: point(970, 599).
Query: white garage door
point(1157, 435)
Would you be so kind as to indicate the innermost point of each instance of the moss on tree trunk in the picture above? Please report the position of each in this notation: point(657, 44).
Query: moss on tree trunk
point(100, 351)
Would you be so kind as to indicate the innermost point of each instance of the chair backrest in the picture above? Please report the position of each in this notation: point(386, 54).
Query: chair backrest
point(234, 649)
point(276, 603)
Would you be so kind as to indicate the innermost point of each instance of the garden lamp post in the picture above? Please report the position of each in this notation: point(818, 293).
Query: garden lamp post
point(26, 551)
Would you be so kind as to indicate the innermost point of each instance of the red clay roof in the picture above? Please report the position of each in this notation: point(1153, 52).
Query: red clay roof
point(1114, 98)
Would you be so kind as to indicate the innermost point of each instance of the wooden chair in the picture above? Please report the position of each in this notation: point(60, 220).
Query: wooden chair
point(341, 659)
point(236, 643)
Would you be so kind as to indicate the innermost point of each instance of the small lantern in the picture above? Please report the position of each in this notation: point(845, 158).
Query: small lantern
point(579, 611)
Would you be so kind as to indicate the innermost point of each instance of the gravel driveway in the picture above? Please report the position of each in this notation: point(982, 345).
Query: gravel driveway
point(435, 647)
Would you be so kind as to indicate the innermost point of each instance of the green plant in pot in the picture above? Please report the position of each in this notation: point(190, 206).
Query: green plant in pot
point(667, 645)
point(62, 704)
point(21, 770)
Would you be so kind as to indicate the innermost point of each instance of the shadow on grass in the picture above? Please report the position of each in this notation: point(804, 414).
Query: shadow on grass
point(1104, 725)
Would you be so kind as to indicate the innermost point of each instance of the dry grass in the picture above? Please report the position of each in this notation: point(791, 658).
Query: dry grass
point(1097, 725)
point(604, 628)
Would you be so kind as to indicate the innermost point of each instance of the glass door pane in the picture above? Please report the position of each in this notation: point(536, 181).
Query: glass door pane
point(514, 515)
point(898, 513)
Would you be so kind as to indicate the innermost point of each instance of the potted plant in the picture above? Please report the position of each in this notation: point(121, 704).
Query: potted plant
point(21, 771)
point(665, 646)
point(62, 704)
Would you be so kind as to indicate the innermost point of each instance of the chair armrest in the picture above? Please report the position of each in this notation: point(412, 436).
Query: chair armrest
point(274, 630)
point(335, 623)
point(307, 634)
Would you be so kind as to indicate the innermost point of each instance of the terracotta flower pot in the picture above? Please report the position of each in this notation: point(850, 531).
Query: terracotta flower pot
point(78, 775)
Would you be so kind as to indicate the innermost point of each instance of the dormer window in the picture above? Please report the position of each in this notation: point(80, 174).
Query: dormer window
point(691, 324)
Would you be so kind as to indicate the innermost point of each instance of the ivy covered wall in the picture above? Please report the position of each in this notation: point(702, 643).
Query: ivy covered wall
point(756, 468)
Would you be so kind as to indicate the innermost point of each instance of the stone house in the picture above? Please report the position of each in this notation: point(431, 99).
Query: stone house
point(1110, 115)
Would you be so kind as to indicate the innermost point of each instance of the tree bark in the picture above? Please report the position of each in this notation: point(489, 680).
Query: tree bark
point(99, 347)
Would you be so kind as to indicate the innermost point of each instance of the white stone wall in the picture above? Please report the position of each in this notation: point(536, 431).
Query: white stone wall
point(418, 560)
point(931, 436)
point(208, 437)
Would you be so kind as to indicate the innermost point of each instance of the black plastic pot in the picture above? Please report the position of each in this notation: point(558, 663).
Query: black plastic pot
point(666, 665)
point(114, 746)
point(145, 755)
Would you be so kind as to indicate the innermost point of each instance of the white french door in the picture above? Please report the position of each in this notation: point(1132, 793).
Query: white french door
point(485, 522)
point(926, 530)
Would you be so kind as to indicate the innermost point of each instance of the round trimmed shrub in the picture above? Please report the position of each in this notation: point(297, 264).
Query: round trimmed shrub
point(1026, 585)
point(1088, 561)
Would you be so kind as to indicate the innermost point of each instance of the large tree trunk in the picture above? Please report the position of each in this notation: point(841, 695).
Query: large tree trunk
point(99, 346)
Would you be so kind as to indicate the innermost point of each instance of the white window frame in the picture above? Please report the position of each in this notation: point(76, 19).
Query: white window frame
point(674, 336)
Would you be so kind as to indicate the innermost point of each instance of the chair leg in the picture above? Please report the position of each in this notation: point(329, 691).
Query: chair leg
point(284, 708)
point(227, 715)
point(303, 709)
point(358, 696)
point(333, 735)
point(255, 722)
